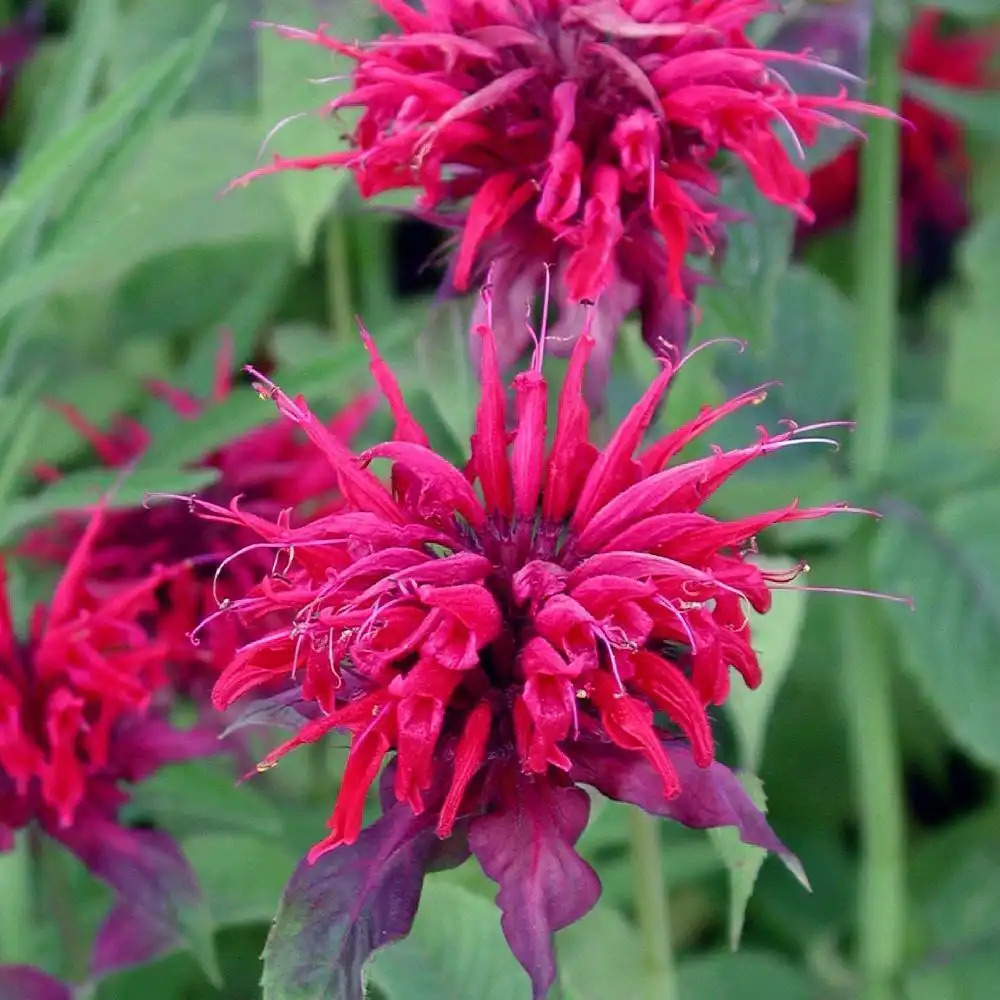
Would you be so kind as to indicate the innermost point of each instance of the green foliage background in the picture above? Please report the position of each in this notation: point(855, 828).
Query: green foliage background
point(119, 261)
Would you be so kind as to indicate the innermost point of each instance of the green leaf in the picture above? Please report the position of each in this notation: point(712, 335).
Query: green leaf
point(742, 861)
point(455, 950)
point(968, 10)
point(84, 489)
point(977, 110)
point(222, 863)
point(72, 152)
point(748, 975)
point(202, 796)
point(104, 183)
point(775, 639)
point(949, 561)
point(291, 103)
point(600, 957)
point(67, 91)
point(741, 302)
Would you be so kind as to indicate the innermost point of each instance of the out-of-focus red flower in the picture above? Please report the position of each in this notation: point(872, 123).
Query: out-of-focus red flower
point(80, 721)
point(581, 135)
point(507, 633)
point(18, 42)
point(934, 162)
point(272, 468)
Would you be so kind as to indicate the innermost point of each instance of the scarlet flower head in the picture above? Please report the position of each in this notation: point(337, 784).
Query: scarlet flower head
point(80, 720)
point(272, 468)
point(934, 161)
point(578, 134)
point(507, 634)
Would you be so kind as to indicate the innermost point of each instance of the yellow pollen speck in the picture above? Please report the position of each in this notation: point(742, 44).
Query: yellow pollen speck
point(757, 400)
point(806, 568)
point(581, 694)
point(266, 765)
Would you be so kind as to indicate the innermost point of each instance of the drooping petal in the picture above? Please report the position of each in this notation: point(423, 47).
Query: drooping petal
point(526, 846)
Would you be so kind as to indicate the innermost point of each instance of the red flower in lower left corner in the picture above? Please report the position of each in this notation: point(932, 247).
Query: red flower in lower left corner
point(80, 720)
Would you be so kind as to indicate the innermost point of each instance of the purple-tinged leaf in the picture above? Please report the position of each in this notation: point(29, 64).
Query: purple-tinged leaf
point(128, 937)
point(286, 710)
point(352, 900)
point(526, 847)
point(151, 878)
point(23, 982)
point(710, 796)
point(151, 743)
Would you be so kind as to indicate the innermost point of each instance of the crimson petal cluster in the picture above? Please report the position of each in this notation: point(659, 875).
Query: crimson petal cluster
point(271, 468)
point(579, 134)
point(506, 632)
point(81, 718)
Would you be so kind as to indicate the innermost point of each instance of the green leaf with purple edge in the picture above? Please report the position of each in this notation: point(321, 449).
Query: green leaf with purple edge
point(527, 848)
point(154, 882)
point(742, 861)
point(710, 796)
point(23, 982)
point(337, 911)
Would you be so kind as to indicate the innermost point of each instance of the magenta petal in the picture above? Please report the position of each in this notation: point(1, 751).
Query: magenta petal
point(352, 900)
point(527, 848)
point(23, 982)
point(127, 937)
point(151, 743)
point(710, 796)
point(151, 878)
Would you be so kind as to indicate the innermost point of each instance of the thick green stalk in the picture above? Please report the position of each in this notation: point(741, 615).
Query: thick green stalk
point(878, 265)
point(340, 306)
point(652, 914)
point(17, 909)
point(867, 660)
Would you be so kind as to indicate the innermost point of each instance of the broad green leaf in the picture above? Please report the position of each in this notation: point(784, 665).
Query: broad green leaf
point(741, 302)
point(222, 863)
point(84, 489)
point(103, 183)
point(742, 861)
point(73, 151)
point(748, 975)
point(68, 90)
point(977, 110)
point(169, 198)
point(973, 347)
point(775, 639)
point(968, 10)
point(291, 103)
point(455, 950)
point(600, 957)
point(949, 561)
point(198, 796)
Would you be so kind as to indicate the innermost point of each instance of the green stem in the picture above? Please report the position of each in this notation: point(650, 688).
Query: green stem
point(17, 916)
point(652, 913)
point(372, 245)
point(878, 266)
point(867, 661)
point(878, 787)
point(340, 305)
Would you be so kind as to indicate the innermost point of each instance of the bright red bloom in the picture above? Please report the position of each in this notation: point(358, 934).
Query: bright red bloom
point(272, 468)
point(80, 719)
point(582, 135)
point(508, 632)
point(934, 162)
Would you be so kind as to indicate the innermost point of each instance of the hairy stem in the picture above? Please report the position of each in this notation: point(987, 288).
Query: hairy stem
point(652, 913)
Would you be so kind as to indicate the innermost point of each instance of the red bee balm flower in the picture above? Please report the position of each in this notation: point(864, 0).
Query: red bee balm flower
point(934, 162)
point(508, 643)
point(77, 721)
point(271, 468)
point(582, 135)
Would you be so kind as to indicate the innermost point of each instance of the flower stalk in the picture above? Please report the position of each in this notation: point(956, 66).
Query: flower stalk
point(867, 663)
point(652, 911)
